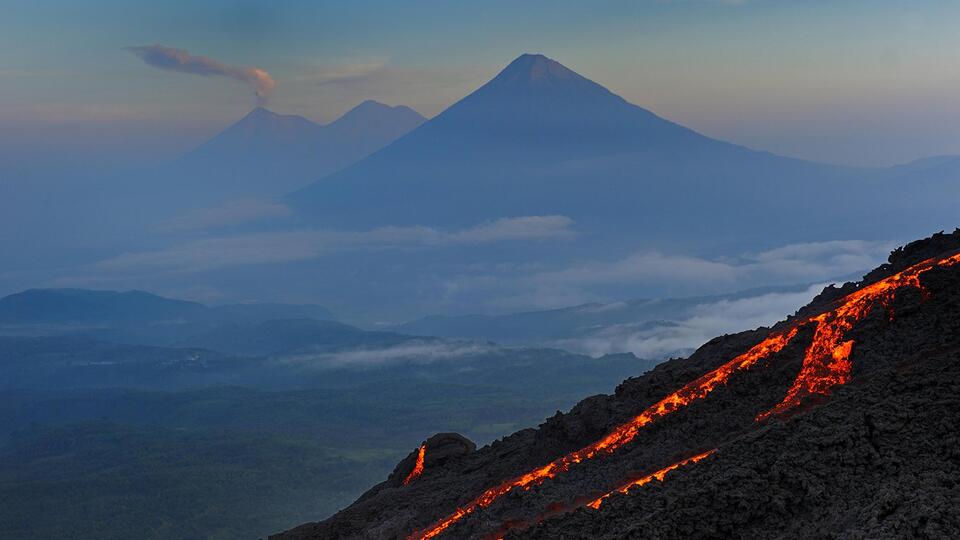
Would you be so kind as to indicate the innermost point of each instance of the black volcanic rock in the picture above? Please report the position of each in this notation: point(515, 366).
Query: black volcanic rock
point(440, 450)
point(875, 459)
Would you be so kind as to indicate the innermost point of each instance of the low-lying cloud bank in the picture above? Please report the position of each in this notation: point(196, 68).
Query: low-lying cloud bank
point(661, 339)
point(228, 214)
point(288, 246)
point(672, 275)
point(416, 352)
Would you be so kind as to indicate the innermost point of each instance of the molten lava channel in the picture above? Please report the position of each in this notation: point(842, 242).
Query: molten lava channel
point(658, 476)
point(826, 364)
point(418, 466)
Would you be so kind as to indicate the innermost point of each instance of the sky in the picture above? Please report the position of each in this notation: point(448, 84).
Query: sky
point(854, 82)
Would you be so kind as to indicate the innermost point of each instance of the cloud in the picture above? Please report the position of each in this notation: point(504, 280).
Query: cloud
point(419, 352)
point(660, 339)
point(643, 267)
point(656, 274)
point(377, 73)
point(230, 213)
point(346, 74)
point(427, 89)
point(181, 61)
point(791, 263)
point(289, 246)
point(818, 260)
point(518, 228)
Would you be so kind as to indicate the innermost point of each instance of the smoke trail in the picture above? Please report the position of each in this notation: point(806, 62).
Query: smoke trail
point(179, 60)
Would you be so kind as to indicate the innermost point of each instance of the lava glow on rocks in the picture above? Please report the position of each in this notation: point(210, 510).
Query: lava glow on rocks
point(826, 364)
point(658, 476)
point(418, 466)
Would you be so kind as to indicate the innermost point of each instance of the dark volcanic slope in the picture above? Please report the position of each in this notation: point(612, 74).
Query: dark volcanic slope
point(874, 453)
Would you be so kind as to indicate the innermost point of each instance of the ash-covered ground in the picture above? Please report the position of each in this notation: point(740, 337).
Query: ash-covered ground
point(877, 458)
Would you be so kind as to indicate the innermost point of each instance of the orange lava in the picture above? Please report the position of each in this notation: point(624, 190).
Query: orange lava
point(658, 476)
point(418, 467)
point(826, 364)
point(595, 503)
point(621, 435)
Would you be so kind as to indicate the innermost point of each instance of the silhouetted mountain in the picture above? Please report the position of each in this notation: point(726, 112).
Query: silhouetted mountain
point(539, 139)
point(132, 316)
point(267, 154)
point(836, 422)
point(88, 306)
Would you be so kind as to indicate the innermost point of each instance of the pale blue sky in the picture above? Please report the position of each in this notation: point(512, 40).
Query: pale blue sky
point(842, 81)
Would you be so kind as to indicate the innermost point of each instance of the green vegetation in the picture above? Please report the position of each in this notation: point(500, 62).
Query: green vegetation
point(226, 462)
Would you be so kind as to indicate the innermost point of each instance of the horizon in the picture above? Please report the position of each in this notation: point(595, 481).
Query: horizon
point(283, 214)
point(700, 76)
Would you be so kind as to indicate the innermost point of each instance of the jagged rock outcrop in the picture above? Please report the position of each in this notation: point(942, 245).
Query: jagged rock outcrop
point(439, 451)
point(875, 456)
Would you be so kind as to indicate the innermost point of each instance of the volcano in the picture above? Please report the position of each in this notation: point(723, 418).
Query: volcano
point(540, 139)
point(840, 421)
point(269, 154)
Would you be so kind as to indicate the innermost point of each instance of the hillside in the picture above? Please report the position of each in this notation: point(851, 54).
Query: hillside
point(838, 421)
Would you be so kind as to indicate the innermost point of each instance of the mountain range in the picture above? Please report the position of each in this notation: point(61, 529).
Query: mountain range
point(268, 154)
point(540, 139)
point(537, 172)
point(133, 316)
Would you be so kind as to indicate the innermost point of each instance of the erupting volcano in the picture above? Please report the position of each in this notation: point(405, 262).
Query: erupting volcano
point(807, 356)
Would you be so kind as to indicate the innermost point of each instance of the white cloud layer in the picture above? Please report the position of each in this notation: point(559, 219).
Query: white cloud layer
point(419, 352)
point(230, 213)
point(661, 339)
point(288, 246)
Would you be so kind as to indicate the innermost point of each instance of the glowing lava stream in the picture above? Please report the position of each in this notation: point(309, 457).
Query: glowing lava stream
point(658, 476)
point(595, 503)
point(418, 467)
point(826, 364)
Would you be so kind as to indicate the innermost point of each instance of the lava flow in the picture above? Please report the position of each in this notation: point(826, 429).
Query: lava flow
point(595, 503)
point(826, 364)
point(658, 476)
point(418, 467)
point(622, 434)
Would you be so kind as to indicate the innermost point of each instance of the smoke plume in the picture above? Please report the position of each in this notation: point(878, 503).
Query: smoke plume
point(181, 61)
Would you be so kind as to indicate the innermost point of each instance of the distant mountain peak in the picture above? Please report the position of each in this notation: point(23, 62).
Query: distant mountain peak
point(372, 113)
point(531, 78)
point(258, 112)
point(262, 116)
point(530, 67)
point(371, 104)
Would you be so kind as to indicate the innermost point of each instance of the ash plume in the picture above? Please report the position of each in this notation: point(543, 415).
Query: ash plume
point(181, 61)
